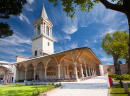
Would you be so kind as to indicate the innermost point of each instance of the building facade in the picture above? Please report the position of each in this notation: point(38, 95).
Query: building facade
point(44, 65)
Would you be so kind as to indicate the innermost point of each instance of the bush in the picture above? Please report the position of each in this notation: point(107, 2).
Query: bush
point(31, 83)
point(117, 77)
point(11, 84)
point(5, 83)
point(17, 84)
point(113, 75)
point(52, 83)
point(35, 84)
point(60, 84)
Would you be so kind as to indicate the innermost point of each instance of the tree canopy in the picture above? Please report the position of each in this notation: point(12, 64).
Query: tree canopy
point(116, 45)
point(70, 6)
point(7, 8)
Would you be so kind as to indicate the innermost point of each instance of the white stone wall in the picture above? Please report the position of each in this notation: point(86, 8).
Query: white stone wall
point(37, 44)
point(47, 49)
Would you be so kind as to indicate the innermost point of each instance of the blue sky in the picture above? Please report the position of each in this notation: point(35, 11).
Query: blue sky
point(85, 30)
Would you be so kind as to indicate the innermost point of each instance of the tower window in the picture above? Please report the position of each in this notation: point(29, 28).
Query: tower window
point(47, 31)
point(48, 44)
point(39, 30)
point(36, 53)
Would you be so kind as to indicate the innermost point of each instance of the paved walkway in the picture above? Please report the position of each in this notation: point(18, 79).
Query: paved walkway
point(96, 86)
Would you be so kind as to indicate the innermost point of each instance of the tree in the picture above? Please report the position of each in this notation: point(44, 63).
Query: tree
point(116, 46)
point(69, 6)
point(7, 8)
point(109, 69)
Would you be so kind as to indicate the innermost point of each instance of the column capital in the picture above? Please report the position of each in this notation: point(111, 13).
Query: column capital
point(75, 63)
point(80, 65)
point(45, 67)
point(25, 69)
point(34, 68)
point(58, 65)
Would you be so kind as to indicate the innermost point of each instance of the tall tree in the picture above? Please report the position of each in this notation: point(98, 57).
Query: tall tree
point(69, 6)
point(7, 8)
point(116, 46)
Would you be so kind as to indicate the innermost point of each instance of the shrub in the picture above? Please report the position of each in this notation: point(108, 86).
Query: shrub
point(113, 75)
point(35, 84)
point(11, 84)
point(60, 84)
point(52, 83)
point(17, 84)
point(118, 77)
point(5, 83)
point(31, 83)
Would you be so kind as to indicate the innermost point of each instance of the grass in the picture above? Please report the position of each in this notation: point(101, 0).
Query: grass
point(22, 90)
point(118, 91)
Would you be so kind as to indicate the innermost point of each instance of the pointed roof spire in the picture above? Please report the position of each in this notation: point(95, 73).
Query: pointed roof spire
point(43, 13)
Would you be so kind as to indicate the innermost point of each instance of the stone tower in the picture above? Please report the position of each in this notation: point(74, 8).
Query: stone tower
point(42, 42)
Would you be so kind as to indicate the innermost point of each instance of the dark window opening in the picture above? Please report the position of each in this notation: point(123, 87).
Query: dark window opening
point(35, 53)
point(48, 44)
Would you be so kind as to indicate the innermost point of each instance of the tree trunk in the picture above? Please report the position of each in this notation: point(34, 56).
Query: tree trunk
point(128, 17)
point(117, 65)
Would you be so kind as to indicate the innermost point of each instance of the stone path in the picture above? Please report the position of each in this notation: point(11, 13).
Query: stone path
point(96, 86)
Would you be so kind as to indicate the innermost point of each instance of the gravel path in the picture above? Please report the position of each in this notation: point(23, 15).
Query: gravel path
point(96, 86)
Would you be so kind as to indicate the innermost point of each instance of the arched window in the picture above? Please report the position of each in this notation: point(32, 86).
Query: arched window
point(38, 29)
point(47, 31)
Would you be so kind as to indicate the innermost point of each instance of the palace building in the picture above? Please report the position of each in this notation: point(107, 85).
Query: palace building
point(45, 65)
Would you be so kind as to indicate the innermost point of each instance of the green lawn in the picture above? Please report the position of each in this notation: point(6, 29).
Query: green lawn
point(22, 90)
point(118, 91)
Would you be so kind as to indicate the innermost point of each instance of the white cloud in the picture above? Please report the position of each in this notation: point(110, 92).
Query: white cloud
point(104, 32)
point(70, 26)
point(15, 39)
point(23, 17)
point(105, 59)
point(95, 41)
point(67, 37)
point(30, 1)
point(109, 63)
point(28, 8)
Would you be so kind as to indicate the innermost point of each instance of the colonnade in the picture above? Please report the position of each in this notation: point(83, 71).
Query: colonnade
point(88, 72)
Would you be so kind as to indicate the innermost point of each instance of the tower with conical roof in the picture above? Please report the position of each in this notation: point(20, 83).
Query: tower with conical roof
point(42, 42)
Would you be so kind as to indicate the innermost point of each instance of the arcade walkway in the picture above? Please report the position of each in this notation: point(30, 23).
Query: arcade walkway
point(96, 86)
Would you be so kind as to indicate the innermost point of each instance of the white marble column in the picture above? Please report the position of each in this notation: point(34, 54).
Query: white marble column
point(45, 72)
point(45, 28)
point(25, 74)
point(89, 72)
point(58, 71)
point(67, 71)
point(41, 32)
point(75, 70)
point(95, 72)
point(81, 70)
point(86, 71)
point(34, 73)
point(51, 32)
